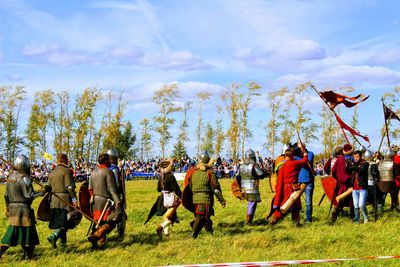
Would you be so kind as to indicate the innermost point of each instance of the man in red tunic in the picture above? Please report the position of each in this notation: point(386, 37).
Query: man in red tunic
point(343, 174)
point(287, 178)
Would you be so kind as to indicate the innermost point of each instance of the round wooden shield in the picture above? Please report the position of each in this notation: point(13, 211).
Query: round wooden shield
point(43, 212)
point(84, 199)
point(187, 199)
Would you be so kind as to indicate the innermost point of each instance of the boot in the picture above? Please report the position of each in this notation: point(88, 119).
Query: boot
point(63, 238)
point(364, 211)
point(2, 250)
point(53, 238)
point(249, 218)
point(99, 234)
point(335, 213)
point(208, 226)
point(356, 215)
point(197, 226)
point(28, 252)
point(159, 231)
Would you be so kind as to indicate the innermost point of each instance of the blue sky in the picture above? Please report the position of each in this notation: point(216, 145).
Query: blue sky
point(137, 46)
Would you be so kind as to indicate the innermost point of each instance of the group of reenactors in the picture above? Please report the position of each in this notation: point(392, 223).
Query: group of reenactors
point(101, 200)
point(356, 177)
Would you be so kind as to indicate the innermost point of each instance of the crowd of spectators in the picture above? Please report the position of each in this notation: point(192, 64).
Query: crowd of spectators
point(150, 169)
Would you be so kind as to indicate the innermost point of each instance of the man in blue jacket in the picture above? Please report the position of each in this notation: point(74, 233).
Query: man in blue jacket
point(306, 176)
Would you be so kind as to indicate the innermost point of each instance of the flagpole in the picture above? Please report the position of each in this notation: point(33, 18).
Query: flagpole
point(334, 112)
point(386, 124)
point(380, 144)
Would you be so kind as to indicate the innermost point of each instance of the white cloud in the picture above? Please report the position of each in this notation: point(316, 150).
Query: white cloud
point(295, 55)
point(180, 60)
point(1, 56)
point(300, 50)
point(386, 57)
point(144, 107)
point(348, 75)
point(55, 54)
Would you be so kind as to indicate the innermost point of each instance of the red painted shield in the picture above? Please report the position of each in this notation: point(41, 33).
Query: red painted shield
point(329, 185)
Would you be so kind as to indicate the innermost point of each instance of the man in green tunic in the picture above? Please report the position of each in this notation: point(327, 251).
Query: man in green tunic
point(204, 185)
point(18, 196)
point(62, 183)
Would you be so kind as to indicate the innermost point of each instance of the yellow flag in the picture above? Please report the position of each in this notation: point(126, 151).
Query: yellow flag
point(47, 156)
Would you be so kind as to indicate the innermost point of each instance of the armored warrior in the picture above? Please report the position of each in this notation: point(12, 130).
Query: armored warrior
point(201, 183)
point(120, 182)
point(105, 201)
point(387, 182)
point(375, 195)
point(18, 196)
point(248, 179)
point(287, 184)
point(169, 199)
point(62, 183)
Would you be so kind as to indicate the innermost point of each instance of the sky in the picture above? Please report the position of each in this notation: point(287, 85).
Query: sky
point(138, 46)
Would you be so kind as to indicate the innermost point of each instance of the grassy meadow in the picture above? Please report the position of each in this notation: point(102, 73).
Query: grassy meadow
point(232, 241)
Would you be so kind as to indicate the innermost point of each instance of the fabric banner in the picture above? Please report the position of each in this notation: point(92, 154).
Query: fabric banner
point(333, 99)
point(351, 130)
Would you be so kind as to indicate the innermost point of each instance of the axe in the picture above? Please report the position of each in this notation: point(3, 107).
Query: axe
point(109, 201)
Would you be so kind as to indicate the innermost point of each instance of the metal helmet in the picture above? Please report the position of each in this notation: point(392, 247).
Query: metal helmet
point(204, 157)
point(113, 155)
point(368, 155)
point(22, 163)
point(362, 148)
point(388, 154)
point(250, 155)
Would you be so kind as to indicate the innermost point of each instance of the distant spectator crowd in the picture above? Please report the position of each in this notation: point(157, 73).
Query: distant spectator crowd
point(150, 169)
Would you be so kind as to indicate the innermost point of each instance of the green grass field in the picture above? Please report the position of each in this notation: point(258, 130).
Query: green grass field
point(232, 241)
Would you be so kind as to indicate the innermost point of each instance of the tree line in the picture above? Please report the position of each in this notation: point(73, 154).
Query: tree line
point(93, 121)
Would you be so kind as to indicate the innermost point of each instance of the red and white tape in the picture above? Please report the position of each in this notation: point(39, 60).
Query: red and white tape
point(283, 263)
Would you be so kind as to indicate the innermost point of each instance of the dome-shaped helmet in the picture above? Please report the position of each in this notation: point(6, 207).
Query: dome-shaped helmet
point(368, 155)
point(250, 155)
point(22, 163)
point(388, 154)
point(113, 155)
point(362, 148)
point(204, 157)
